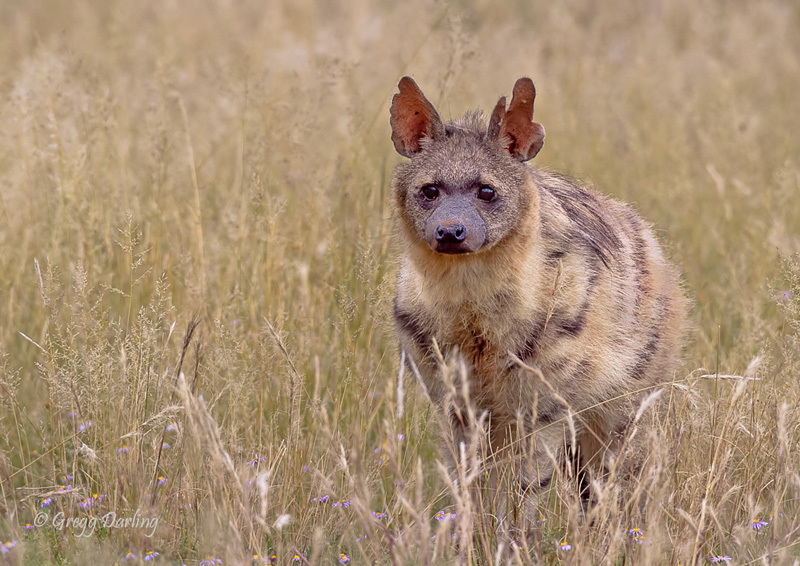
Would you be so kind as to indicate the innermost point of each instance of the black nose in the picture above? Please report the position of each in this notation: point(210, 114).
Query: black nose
point(454, 233)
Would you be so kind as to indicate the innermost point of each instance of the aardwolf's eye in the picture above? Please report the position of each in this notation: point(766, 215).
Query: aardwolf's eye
point(486, 193)
point(430, 192)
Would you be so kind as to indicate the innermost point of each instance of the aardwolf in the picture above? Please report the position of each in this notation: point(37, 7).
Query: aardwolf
point(555, 301)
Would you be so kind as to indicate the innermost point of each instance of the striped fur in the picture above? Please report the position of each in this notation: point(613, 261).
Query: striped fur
point(570, 281)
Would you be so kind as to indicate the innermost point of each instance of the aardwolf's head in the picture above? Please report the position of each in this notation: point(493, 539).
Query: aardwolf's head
point(465, 188)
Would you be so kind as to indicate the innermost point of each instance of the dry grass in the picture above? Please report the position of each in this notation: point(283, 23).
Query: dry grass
point(229, 161)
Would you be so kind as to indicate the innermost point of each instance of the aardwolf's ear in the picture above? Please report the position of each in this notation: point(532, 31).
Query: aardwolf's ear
point(515, 128)
point(412, 118)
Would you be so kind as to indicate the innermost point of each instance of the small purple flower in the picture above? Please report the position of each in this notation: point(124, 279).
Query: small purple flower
point(171, 428)
point(46, 502)
point(165, 445)
point(638, 536)
point(84, 426)
point(443, 516)
point(210, 561)
point(85, 503)
point(565, 546)
point(7, 546)
point(65, 488)
point(720, 558)
point(162, 480)
point(305, 468)
point(129, 556)
point(379, 515)
point(256, 459)
point(343, 558)
point(150, 555)
point(342, 503)
point(322, 499)
point(29, 527)
point(758, 523)
point(401, 437)
point(122, 449)
point(296, 558)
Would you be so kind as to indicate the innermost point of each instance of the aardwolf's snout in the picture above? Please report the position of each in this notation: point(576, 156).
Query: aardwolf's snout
point(452, 234)
point(453, 237)
point(455, 227)
point(450, 238)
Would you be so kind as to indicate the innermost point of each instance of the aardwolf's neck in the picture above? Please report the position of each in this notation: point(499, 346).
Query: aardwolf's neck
point(490, 289)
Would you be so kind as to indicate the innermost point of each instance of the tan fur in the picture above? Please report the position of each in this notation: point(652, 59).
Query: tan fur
point(569, 281)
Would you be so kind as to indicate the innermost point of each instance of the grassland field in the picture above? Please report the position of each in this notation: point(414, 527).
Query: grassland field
point(197, 263)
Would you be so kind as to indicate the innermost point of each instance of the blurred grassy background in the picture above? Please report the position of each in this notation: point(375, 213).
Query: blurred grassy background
point(231, 160)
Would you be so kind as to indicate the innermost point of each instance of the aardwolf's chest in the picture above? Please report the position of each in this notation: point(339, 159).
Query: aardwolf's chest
point(481, 348)
point(494, 385)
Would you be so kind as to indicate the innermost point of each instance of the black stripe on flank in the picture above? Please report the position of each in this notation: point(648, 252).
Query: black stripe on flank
point(646, 354)
point(640, 272)
point(542, 484)
point(593, 269)
point(547, 411)
point(554, 255)
point(550, 415)
point(575, 325)
point(532, 345)
point(559, 365)
point(409, 324)
point(586, 213)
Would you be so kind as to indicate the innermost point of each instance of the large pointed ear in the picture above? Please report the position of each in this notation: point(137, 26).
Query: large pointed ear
point(496, 120)
point(515, 128)
point(412, 118)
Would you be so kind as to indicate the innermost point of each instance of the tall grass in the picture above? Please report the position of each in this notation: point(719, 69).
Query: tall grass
point(197, 267)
